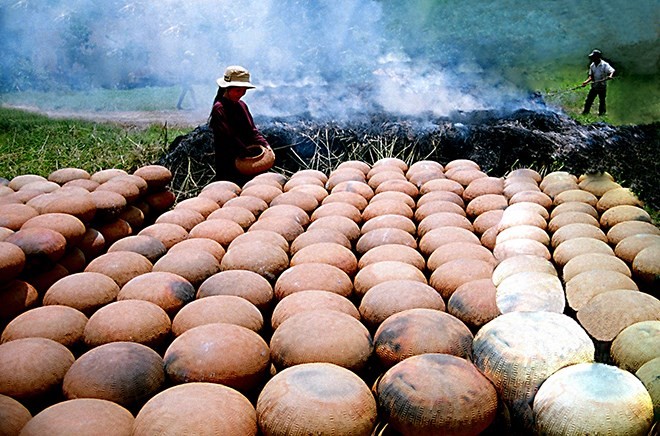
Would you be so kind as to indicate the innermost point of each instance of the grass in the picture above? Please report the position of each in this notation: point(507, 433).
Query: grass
point(35, 144)
point(631, 98)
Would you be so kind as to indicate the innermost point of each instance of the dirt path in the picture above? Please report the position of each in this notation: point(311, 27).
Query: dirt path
point(139, 119)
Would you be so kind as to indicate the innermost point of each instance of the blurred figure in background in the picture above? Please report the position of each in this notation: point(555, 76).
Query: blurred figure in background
point(186, 81)
point(599, 73)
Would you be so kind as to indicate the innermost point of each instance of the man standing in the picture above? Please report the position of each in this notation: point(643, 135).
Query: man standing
point(599, 73)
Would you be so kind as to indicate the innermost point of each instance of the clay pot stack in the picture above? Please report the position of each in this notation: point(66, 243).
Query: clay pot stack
point(316, 302)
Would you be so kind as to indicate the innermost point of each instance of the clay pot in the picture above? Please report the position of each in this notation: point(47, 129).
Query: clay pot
point(522, 263)
point(219, 353)
point(167, 233)
point(459, 250)
point(287, 227)
point(636, 345)
point(13, 216)
point(167, 290)
point(32, 369)
point(445, 235)
point(160, 201)
point(449, 196)
point(372, 275)
point(576, 195)
point(577, 230)
point(628, 248)
point(567, 250)
point(148, 246)
point(395, 252)
point(536, 197)
point(628, 228)
point(474, 303)
point(239, 215)
point(86, 291)
point(62, 324)
point(443, 219)
point(63, 175)
point(313, 276)
point(137, 321)
point(574, 206)
point(519, 247)
point(645, 265)
point(12, 261)
point(449, 276)
point(419, 331)
point(42, 247)
point(525, 172)
point(353, 186)
point(518, 351)
point(177, 410)
point(530, 291)
point(321, 336)
point(203, 244)
point(617, 197)
point(254, 204)
point(483, 186)
point(329, 253)
point(390, 221)
point(156, 176)
point(304, 301)
point(386, 207)
point(568, 403)
point(120, 266)
point(351, 198)
point(264, 236)
point(594, 261)
point(288, 211)
point(586, 285)
point(601, 316)
point(228, 309)
point(383, 236)
point(362, 166)
point(241, 283)
point(125, 373)
point(269, 263)
point(447, 185)
point(317, 236)
point(220, 194)
point(431, 207)
point(394, 296)
point(16, 296)
point(345, 225)
point(394, 195)
point(567, 218)
point(303, 200)
point(193, 265)
point(484, 203)
point(81, 416)
point(317, 398)
point(618, 214)
point(257, 162)
point(263, 191)
point(14, 416)
point(185, 217)
point(419, 396)
point(526, 232)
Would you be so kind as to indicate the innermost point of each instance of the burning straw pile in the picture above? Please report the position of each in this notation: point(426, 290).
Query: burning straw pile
point(498, 142)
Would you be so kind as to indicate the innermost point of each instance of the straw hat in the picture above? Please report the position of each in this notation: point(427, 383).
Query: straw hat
point(235, 76)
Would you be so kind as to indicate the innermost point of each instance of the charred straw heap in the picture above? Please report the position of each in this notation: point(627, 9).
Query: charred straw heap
point(497, 141)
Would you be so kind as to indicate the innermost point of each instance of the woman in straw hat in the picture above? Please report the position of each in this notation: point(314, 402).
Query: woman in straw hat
point(234, 131)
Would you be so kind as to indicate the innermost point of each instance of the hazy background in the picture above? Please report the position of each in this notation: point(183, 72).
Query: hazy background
point(327, 58)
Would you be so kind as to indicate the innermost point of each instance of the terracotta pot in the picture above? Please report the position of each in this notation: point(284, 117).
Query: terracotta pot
point(220, 353)
point(316, 398)
point(125, 373)
point(258, 162)
point(177, 411)
point(436, 394)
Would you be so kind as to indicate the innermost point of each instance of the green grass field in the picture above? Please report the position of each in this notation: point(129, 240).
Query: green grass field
point(36, 144)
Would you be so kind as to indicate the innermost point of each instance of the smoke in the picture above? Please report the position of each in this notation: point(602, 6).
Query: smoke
point(319, 59)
